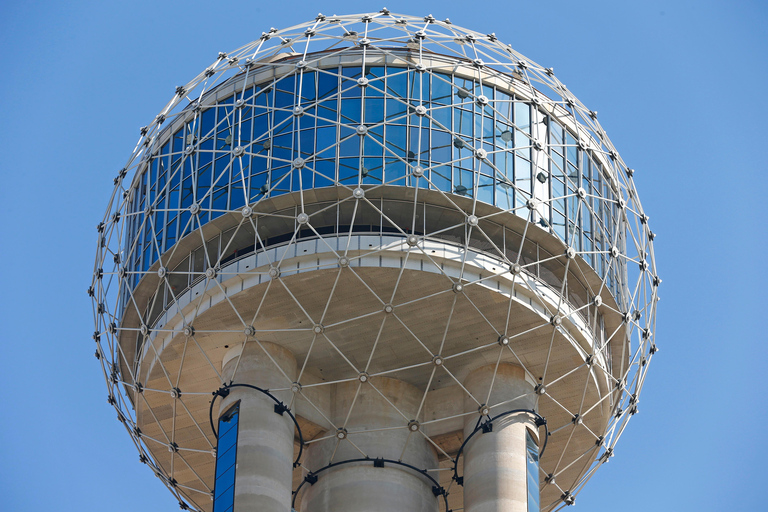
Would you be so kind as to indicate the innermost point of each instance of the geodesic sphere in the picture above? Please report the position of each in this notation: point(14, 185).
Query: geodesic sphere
point(385, 197)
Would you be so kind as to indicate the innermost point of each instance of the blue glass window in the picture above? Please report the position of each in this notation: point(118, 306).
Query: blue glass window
point(226, 461)
point(532, 466)
point(195, 164)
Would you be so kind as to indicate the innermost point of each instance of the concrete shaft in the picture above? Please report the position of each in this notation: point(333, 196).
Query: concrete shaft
point(265, 438)
point(495, 477)
point(361, 487)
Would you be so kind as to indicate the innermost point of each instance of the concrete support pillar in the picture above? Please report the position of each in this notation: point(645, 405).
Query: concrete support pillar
point(495, 477)
point(265, 438)
point(361, 487)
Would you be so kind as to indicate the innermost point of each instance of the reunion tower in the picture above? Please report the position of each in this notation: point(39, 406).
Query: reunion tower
point(374, 263)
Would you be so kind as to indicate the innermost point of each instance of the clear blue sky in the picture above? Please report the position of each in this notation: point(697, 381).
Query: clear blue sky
point(681, 90)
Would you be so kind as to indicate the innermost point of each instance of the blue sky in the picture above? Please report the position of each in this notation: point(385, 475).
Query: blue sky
point(681, 90)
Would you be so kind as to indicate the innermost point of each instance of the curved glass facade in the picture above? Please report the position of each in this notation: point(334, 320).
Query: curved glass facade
point(340, 127)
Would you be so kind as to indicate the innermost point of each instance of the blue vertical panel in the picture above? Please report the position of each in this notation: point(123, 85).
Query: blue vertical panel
point(395, 144)
point(484, 124)
point(463, 122)
point(523, 124)
point(224, 134)
point(207, 127)
point(240, 175)
point(397, 83)
point(170, 234)
point(223, 145)
point(260, 127)
point(441, 158)
point(204, 178)
point(241, 165)
point(159, 229)
point(244, 124)
point(558, 179)
point(226, 460)
point(349, 154)
point(419, 146)
point(205, 154)
point(296, 176)
point(327, 103)
point(485, 189)
point(285, 97)
point(325, 171)
point(532, 470)
point(504, 158)
point(372, 170)
point(306, 140)
point(325, 158)
point(144, 227)
point(351, 111)
point(349, 76)
point(185, 176)
point(327, 84)
point(522, 113)
point(305, 148)
point(442, 95)
point(156, 200)
point(396, 111)
point(394, 139)
point(586, 223)
point(282, 140)
point(375, 76)
point(142, 191)
point(308, 87)
point(597, 216)
point(606, 219)
point(221, 180)
point(572, 175)
point(175, 195)
point(463, 174)
point(258, 182)
point(374, 109)
point(442, 91)
point(613, 276)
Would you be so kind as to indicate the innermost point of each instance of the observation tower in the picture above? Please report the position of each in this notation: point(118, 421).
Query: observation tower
point(372, 263)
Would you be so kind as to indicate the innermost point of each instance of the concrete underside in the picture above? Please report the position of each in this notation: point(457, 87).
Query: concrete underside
point(428, 319)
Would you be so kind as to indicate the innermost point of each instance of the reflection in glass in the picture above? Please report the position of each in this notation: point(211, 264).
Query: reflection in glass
point(228, 157)
point(226, 461)
point(532, 467)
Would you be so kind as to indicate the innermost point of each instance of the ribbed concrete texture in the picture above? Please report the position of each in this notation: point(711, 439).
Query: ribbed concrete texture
point(265, 439)
point(360, 487)
point(495, 462)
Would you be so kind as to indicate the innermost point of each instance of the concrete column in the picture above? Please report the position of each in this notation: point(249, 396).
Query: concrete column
point(265, 438)
point(495, 476)
point(361, 487)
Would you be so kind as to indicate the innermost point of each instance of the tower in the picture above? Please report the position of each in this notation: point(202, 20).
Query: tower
point(374, 262)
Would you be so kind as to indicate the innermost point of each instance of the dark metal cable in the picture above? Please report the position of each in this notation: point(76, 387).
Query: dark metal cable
point(280, 408)
point(486, 426)
point(311, 478)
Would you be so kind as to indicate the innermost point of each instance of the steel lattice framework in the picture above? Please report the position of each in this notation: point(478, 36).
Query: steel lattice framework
point(328, 205)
